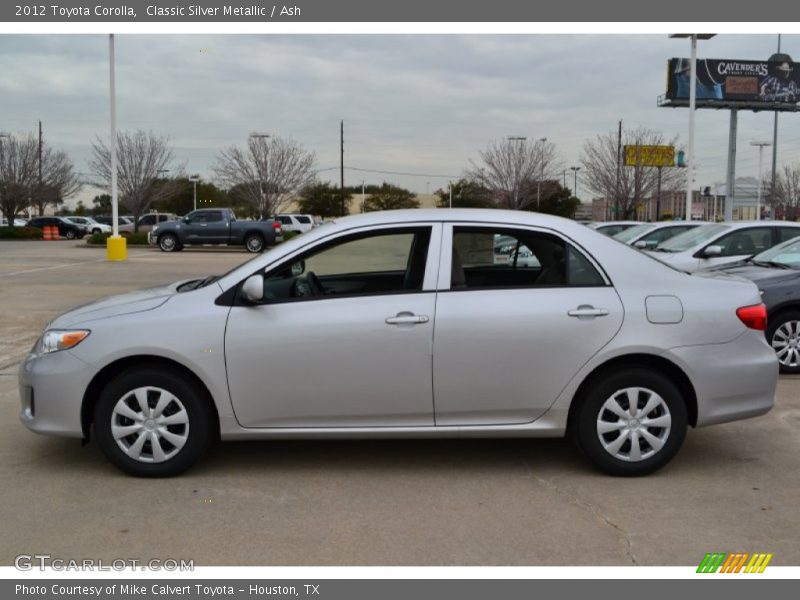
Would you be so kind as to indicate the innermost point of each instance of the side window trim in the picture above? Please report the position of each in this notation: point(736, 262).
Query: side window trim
point(445, 262)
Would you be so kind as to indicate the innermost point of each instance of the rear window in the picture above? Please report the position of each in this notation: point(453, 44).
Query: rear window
point(692, 238)
point(303, 219)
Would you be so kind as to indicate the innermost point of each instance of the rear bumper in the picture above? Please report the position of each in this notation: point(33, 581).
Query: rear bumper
point(732, 381)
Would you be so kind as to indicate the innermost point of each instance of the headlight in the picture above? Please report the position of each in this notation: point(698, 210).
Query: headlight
point(60, 339)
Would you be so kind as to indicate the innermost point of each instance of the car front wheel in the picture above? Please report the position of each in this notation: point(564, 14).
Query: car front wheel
point(783, 334)
point(168, 242)
point(150, 422)
point(70, 235)
point(631, 422)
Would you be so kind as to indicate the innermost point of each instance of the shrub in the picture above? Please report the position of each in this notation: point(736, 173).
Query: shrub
point(287, 235)
point(20, 233)
point(134, 239)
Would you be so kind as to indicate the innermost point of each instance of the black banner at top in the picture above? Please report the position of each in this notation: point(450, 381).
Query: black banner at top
point(465, 11)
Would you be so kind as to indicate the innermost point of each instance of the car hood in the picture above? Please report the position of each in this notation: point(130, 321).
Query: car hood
point(113, 306)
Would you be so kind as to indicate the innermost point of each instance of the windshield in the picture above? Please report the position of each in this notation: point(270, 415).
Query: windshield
point(787, 253)
point(693, 237)
point(633, 232)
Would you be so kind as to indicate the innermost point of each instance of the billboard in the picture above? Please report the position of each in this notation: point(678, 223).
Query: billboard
point(650, 156)
point(746, 81)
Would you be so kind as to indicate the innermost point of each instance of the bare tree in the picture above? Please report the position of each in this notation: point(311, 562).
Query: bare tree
point(514, 170)
point(786, 197)
point(267, 174)
point(59, 180)
point(604, 173)
point(142, 157)
point(18, 174)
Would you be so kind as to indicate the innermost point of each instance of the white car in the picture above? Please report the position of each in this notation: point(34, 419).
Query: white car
point(612, 228)
point(90, 224)
point(649, 235)
point(721, 243)
point(295, 222)
point(17, 222)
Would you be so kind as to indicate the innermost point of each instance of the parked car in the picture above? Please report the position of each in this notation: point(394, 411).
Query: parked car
point(66, 229)
point(215, 226)
point(108, 220)
point(712, 245)
point(650, 235)
point(612, 228)
point(776, 272)
point(600, 341)
point(90, 224)
point(146, 223)
point(17, 222)
point(295, 222)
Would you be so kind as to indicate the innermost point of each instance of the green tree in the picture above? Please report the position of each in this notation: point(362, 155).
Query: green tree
point(208, 196)
point(466, 194)
point(80, 209)
point(389, 197)
point(324, 200)
point(556, 200)
point(102, 204)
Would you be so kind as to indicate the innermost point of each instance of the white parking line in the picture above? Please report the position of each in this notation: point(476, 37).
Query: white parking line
point(64, 266)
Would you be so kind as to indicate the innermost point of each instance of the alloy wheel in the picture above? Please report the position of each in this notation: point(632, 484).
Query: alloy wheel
point(786, 343)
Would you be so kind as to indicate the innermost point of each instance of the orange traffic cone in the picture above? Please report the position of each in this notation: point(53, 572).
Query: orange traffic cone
point(46, 235)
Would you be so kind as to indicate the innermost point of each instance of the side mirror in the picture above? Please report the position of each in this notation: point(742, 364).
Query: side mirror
point(298, 268)
point(253, 289)
point(186, 220)
point(641, 244)
point(712, 251)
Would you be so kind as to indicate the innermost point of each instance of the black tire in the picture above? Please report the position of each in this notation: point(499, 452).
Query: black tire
point(784, 325)
point(96, 231)
point(590, 409)
point(190, 397)
point(168, 242)
point(69, 234)
point(254, 243)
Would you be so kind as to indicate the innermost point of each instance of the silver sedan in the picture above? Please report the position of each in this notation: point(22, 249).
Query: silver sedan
point(406, 324)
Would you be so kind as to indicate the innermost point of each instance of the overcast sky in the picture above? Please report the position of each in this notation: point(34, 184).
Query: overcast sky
point(411, 103)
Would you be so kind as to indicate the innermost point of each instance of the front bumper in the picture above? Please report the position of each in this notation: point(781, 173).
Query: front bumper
point(51, 389)
point(732, 381)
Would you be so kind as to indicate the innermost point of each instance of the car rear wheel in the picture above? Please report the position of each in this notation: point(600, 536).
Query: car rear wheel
point(254, 243)
point(150, 422)
point(168, 242)
point(631, 422)
point(70, 235)
point(783, 335)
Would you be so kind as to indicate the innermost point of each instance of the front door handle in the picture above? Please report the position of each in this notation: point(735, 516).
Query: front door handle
point(406, 318)
point(587, 311)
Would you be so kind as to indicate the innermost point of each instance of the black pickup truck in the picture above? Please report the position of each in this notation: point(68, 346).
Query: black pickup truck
point(215, 226)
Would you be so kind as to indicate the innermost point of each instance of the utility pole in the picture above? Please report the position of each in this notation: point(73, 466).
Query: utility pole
point(40, 157)
point(341, 160)
point(619, 161)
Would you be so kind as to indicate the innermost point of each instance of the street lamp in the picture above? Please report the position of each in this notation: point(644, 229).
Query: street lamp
point(521, 139)
point(692, 103)
point(194, 179)
point(539, 182)
point(575, 179)
point(761, 146)
point(262, 136)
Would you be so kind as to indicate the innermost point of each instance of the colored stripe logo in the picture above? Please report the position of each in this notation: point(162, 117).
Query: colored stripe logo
point(737, 562)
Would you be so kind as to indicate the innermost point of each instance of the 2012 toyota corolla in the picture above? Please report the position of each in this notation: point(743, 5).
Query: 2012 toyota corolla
point(405, 324)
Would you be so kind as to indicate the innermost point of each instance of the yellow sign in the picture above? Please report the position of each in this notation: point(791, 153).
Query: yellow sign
point(650, 156)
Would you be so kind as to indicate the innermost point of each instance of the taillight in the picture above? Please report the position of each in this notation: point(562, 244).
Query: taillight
point(276, 225)
point(754, 317)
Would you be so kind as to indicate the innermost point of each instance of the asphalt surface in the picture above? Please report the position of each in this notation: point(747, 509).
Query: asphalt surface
point(732, 487)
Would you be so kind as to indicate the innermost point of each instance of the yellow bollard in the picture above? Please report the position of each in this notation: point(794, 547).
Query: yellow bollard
point(117, 248)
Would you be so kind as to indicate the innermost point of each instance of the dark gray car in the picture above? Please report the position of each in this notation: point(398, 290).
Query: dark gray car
point(776, 272)
point(215, 226)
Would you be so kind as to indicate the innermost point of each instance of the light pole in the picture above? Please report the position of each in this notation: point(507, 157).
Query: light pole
point(761, 146)
point(692, 104)
point(262, 136)
point(194, 179)
point(539, 182)
point(575, 180)
point(116, 246)
point(521, 139)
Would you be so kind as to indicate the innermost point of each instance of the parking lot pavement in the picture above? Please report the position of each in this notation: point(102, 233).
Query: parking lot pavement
point(494, 502)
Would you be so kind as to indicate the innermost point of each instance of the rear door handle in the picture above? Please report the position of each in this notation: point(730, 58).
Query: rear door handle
point(587, 311)
point(406, 318)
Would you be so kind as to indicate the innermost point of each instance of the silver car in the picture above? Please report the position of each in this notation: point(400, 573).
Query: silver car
point(722, 243)
point(649, 235)
point(402, 324)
